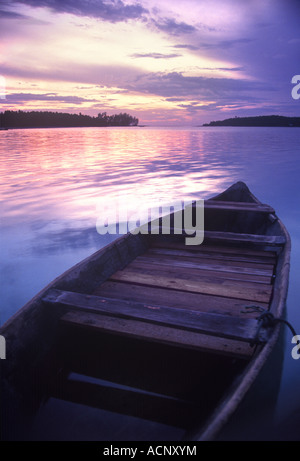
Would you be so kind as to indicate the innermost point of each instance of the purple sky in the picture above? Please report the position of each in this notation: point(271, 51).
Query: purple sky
point(167, 62)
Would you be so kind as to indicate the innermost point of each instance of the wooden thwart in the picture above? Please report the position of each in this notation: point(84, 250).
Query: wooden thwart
point(177, 299)
point(265, 268)
point(237, 206)
point(250, 291)
point(230, 253)
point(246, 238)
point(194, 273)
point(156, 334)
point(257, 239)
point(212, 324)
point(187, 263)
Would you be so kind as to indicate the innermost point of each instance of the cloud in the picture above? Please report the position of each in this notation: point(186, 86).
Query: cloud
point(187, 47)
point(195, 107)
point(23, 97)
point(226, 44)
point(260, 40)
point(294, 41)
point(175, 84)
point(173, 27)
point(11, 15)
point(223, 69)
point(7, 17)
point(103, 75)
point(85, 87)
point(110, 10)
point(198, 94)
point(155, 55)
point(174, 99)
point(230, 69)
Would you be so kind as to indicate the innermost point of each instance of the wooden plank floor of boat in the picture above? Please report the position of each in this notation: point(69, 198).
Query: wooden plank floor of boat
point(219, 280)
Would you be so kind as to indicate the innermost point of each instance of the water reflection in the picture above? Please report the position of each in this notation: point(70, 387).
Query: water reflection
point(60, 173)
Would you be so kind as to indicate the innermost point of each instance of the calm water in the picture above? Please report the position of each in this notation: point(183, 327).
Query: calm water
point(53, 182)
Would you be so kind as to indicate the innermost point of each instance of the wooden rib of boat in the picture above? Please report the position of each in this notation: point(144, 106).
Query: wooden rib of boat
point(152, 328)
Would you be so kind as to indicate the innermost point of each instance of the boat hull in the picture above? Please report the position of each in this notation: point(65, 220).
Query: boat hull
point(112, 318)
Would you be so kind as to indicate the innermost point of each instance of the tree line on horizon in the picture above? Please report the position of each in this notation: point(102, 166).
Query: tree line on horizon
point(260, 120)
point(44, 119)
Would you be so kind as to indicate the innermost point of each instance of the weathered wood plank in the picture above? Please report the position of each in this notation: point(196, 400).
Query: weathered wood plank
point(161, 267)
point(237, 206)
point(176, 299)
point(232, 237)
point(218, 287)
point(158, 334)
point(171, 411)
point(223, 270)
point(213, 324)
point(217, 251)
point(208, 260)
point(247, 238)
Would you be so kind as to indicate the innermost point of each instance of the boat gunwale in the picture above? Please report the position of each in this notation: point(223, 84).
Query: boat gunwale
point(62, 277)
point(238, 391)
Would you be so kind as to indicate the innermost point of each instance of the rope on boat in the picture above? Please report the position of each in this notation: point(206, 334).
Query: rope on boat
point(266, 320)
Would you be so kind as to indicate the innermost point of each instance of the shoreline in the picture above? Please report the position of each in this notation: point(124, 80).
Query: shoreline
point(50, 127)
point(277, 121)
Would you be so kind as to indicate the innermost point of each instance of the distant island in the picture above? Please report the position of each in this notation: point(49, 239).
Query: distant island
point(40, 119)
point(264, 120)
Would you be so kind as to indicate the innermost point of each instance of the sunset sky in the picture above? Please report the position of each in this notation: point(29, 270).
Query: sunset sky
point(167, 62)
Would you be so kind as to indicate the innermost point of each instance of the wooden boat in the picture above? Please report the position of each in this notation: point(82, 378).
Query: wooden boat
point(150, 329)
